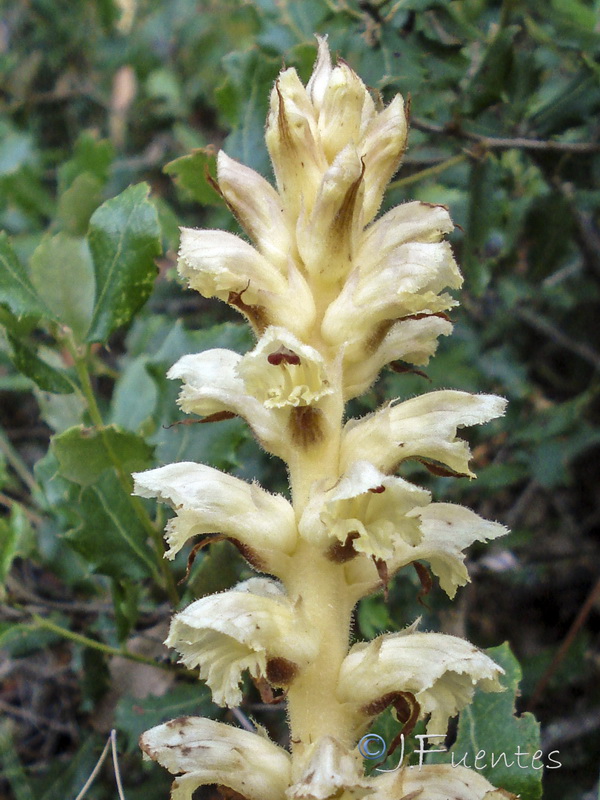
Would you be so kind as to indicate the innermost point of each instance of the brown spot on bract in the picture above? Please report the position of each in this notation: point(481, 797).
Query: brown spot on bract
point(281, 671)
point(179, 722)
point(305, 425)
point(340, 553)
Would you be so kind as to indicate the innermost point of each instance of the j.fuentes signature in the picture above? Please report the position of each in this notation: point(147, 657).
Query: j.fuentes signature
point(373, 746)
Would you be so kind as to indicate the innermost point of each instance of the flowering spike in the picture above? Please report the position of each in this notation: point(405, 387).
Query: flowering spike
point(332, 296)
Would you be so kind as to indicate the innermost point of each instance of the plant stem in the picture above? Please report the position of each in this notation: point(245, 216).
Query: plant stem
point(78, 638)
point(317, 587)
point(429, 172)
point(16, 462)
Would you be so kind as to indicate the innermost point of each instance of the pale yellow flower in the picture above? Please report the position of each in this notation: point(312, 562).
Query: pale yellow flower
point(423, 427)
point(437, 782)
point(440, 671)
point(446, 531)
point(202, 751)
point(208, 501)
point(365, 512)
point(250, 627)
point(331, 769)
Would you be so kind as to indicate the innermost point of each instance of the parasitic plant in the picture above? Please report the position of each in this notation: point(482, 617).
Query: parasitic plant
point(332, 295)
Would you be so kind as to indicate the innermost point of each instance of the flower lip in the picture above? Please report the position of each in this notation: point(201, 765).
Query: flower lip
point(282, 371)
point(365, 512)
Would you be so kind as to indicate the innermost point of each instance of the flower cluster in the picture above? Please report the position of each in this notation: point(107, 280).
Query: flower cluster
point(333, 295)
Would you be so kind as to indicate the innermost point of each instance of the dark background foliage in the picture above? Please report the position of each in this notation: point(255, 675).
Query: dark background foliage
point(96, 96)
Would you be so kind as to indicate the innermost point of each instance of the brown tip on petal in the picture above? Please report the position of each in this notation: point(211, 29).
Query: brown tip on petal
point(440, 470)
point(344, 219)
point(256, 315)
point(379, 335)
point(340, 553)
point(218, 416)
point(382, 571)
point(305, 426)
point(426, 582)
point(282, 123)
point(401, 368)
point(377, 489)
point(281, 671)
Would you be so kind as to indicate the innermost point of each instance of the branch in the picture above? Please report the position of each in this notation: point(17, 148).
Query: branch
point(499, 143)
point(544, 326)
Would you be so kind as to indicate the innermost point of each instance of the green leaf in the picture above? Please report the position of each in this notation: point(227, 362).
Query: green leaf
point(135, 396)
point(12, 769)
point(126, 600)
point(244, 101)
point(512, 755)
point(84, 453)
point(63, 273)
point(16, 290)
point(110, 536)
point(124, 239)
point(218, 569)
point(189, 173)
point(16, 149)
point(91, 155)
point(488, 84)
point(16, 541)
point(135, 715)
point(49, 379)
point(77, 204)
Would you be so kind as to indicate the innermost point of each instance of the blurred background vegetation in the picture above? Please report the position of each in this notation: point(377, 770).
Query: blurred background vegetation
point(96, 95)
